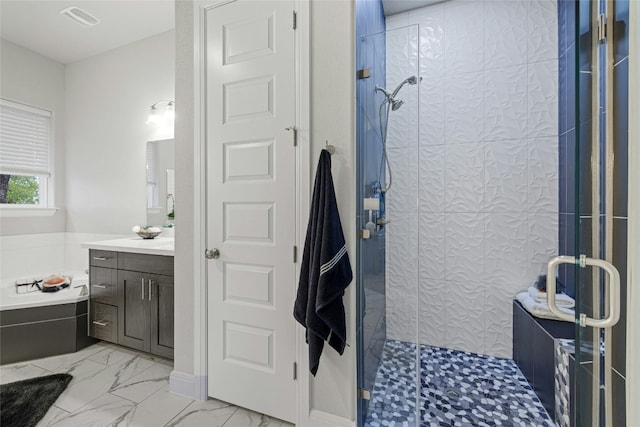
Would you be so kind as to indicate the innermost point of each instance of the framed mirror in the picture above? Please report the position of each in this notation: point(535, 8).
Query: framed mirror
point(160, 175)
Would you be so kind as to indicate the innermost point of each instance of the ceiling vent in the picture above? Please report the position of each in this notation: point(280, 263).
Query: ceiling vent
point(82, 17)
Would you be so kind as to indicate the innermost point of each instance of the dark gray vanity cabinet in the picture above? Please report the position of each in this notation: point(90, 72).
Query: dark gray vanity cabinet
point(140, 313)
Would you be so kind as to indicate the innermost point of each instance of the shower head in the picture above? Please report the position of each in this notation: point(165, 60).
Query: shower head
point(409, 80)
point(396, 104)
point(391, 97)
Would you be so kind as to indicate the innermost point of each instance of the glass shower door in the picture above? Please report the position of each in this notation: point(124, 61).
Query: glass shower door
point(593, 237)
point(387, 288)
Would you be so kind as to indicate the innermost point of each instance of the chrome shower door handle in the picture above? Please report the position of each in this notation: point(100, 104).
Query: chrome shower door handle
point(552, 268)
point(614, 291)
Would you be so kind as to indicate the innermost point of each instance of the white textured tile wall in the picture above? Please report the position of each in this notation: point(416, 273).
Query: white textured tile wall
point(30, 254)
point(474, 203)
point(39, 254)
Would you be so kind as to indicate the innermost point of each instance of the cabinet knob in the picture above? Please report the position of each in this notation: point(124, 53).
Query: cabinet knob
point(212, 253)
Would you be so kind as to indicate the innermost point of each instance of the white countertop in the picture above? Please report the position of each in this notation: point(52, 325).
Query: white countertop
point(138, 245)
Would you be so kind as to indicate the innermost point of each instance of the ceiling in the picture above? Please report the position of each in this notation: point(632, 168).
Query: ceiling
point(37, 25)
point(391, 7)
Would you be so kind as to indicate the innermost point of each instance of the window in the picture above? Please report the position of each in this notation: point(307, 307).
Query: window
point(25, 146)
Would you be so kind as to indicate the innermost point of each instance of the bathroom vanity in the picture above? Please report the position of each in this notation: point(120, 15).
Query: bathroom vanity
point(131, 293)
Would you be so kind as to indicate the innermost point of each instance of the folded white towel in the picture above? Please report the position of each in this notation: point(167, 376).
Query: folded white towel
point(562, 299)
point(539, 309)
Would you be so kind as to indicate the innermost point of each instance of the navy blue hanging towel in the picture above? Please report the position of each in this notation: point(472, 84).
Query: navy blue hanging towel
point(325, 271)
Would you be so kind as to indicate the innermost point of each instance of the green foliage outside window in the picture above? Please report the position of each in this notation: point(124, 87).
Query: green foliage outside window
point(19, 190)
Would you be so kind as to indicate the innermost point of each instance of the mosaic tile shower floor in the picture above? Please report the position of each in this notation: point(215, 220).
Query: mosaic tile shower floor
point(457, 389)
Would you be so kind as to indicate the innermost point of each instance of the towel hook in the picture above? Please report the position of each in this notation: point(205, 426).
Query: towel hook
point(330, 148)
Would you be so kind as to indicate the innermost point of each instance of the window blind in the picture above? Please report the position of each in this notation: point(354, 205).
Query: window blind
point(25, 139)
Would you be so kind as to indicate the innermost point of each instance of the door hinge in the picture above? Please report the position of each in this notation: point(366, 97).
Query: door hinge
point(364, 394)
point(295, 20)
point(364, 73)
point(295, 371)
point(295, 254)
point(602, 27)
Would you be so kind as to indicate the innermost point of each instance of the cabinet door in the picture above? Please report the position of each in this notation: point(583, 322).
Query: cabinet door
point(133, 311)
point(161, 299)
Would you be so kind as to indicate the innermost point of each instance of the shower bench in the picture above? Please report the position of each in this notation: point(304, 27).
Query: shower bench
point(534, 342)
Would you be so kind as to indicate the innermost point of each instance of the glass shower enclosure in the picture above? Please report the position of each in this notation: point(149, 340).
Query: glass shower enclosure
point(388, 247)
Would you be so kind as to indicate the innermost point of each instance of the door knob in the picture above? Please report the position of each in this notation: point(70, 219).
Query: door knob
point(212, 253)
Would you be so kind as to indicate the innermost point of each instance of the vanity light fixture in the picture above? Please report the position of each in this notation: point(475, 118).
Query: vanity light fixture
point(157, 119)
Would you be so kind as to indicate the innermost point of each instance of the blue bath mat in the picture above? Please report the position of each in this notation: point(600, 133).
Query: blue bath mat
point(25, 403)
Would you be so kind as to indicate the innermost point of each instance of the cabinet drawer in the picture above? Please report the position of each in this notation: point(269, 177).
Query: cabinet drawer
point(103, 323)
point(103, 285)
point(155, 264)
point(99, 258)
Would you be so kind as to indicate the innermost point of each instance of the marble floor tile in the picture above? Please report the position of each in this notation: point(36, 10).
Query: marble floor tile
point(82, 369)
point(143, 385)
point(245, 418)
point(158, 409)
point(116, 386)
point(19, 372)
point(65, 362)
point(53, 415)
point(113, 355)
point(211, 413)
point(106, 410)
point(80, 392)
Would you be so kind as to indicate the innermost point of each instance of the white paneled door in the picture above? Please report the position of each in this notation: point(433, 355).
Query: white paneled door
point(250, 101)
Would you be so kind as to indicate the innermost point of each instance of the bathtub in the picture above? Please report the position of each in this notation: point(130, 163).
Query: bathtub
point(39, 324)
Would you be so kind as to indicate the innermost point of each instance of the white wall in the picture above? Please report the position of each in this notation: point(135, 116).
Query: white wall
point(32, 79)
point(41, 254)
point(480, 165)
point(333, 390)
point(184, 270)
point(108, 98)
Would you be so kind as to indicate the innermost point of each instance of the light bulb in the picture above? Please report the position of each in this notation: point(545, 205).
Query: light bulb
point(170, 113)
point(154, 116)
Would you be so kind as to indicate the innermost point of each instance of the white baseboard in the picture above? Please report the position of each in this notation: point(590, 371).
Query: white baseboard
point(188, 385)
point(324, 419)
